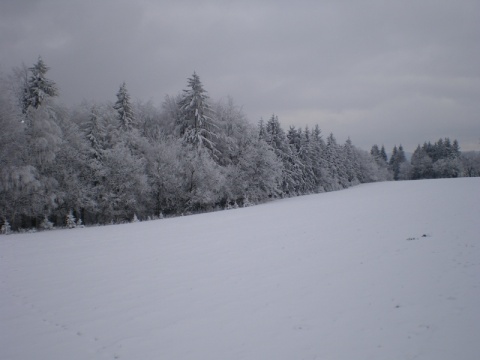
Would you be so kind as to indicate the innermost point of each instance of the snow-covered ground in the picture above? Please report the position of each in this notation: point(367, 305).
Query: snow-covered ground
point(380, 271)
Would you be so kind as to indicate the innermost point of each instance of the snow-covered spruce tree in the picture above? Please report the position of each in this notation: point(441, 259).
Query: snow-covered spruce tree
point(43, 138)
point(336, 167)
point(123, 166)
point(455, 150)
point(380, 156)
point(196, 124)
point(255, 172)
point(46, 224)
point(291, 173)
point(383, 154)
point(83, 152)
point(123, 106)
point(396, 160)
point(353, 172)
point(262, 134)
point(299, 159)
point(94, 130)
point(375, 152)
point(422, 165)
point(39, 88)
point(42, 130)
point(5, 229)
point(305, 154)
point(319, 162)
point(70, 220)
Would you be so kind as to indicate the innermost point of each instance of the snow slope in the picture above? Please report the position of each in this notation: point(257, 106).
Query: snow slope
point(380, 271)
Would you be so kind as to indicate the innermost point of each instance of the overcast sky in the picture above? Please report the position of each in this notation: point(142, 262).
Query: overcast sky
point(379, 71)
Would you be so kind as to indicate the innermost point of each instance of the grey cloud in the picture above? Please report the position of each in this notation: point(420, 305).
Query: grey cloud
point(391, 72)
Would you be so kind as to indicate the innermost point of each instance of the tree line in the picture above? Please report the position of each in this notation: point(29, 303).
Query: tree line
point(442, 159)
point(113, 162)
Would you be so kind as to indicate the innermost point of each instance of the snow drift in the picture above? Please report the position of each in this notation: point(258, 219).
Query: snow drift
point(380, 271)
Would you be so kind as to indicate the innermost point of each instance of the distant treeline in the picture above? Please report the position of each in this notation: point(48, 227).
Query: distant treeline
point(443, 159)
point(100, 163)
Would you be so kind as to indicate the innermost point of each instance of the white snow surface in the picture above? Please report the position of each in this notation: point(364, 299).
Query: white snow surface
point(379, 271)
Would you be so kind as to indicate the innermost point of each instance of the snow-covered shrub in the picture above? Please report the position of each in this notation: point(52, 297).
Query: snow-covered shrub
point(246, 201)
point(46, 224)
point(5, 229)
point(135, 219)
point(231, 205)
point(71, 222)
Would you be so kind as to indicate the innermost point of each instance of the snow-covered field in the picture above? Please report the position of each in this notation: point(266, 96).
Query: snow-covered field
point(380, 271)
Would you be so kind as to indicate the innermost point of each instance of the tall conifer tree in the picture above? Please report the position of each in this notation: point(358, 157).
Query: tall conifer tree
point(38, 87)
point(123, 106)
point(196, 124)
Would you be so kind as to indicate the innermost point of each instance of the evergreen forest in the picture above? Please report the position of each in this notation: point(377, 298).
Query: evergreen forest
point(124, 160)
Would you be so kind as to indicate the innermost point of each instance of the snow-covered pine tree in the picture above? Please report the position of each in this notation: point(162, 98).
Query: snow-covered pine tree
point(70, 220)
point(291, 171)
point(336, 166)
point(455, 149)
point(196, 124)
point(352, 168)
point(300, 161)
point(383, 154)
point(319, 164)
point(375, 152)
point(422, 166)
point(39, 88)
point(6, 228)
point(305, 154)
point(42, 131)
point(293, 136)
point(396, 160)
point(261, 129)
point(94, 132)
point(46, 224)
point(126, 117)
point(256, 172)
point(43, 137)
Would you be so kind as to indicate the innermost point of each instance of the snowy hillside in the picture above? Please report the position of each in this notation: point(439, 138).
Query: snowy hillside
point(380, 271)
